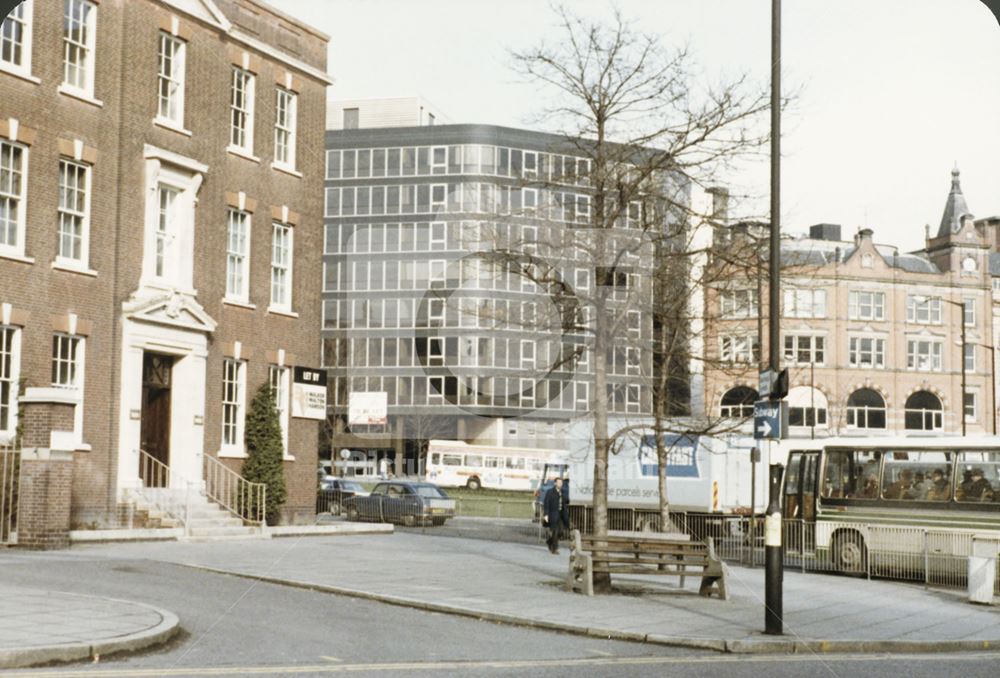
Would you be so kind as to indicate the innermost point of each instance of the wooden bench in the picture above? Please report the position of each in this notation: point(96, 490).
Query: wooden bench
point(645, 553)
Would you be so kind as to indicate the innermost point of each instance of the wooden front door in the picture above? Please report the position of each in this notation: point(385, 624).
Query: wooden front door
point(155, 425)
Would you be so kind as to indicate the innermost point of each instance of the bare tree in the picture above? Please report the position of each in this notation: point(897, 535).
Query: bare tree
point(649, 130)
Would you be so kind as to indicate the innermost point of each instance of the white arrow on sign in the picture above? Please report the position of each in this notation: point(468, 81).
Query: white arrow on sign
point(764, 428)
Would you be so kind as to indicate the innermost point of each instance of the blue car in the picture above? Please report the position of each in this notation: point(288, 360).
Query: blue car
point(402, 502)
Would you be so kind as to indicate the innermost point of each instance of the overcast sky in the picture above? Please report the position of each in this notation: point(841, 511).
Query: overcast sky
point(892, 92)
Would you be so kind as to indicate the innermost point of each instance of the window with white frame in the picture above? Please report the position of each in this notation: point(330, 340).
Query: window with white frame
point(277, 377)
point(284, 128)
point(64, 360)
point(805, 303)
point(238, 255)
point(867, 352)
point(969, 406)
point(13, 165)
point(969, 311)
point(281, 266)
point(633, 323)
point(170, 79)
point(79, 29)
point(804, 349)
point(10, 363)
point(863, 305)
point(166, 226)
point(15, 39)
point(74, 212)
point(923, 355)
point(970, 357)
point(739, 349)
point(68, 372)
point(923, 310)
point(233, 404)
point(527, 354)
point(738, 303)
point(527, 392)
point(241, 110)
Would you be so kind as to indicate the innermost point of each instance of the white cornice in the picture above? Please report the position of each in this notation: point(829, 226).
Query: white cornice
point(171, 158)
point(264, 48)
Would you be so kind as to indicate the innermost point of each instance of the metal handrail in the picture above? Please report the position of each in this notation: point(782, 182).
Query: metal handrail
point(157, 475)
point(239, 496)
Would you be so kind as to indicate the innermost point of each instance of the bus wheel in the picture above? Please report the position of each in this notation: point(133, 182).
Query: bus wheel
point(849, 553)
point(473, 484)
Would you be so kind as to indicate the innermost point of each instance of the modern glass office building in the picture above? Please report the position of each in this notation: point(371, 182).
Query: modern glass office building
point(432, 235)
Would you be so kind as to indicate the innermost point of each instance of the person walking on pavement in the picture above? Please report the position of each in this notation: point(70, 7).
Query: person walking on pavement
point(556, 514)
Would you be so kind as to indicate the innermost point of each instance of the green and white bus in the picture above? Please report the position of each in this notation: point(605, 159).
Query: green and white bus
point(845, 500)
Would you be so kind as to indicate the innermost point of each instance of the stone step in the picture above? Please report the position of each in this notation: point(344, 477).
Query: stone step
point(214, 532)
point(231, 521)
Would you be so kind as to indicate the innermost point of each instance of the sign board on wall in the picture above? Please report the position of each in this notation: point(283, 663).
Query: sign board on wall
point(309, 393)
point(369, 408)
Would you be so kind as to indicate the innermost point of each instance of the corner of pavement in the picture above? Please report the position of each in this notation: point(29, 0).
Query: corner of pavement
point(523, 585)
point(42, 627)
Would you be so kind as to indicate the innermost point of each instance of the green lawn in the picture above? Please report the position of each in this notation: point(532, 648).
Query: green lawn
point(486, 503)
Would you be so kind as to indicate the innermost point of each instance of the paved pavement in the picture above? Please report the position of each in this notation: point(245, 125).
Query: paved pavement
point(38, 626)
point(522, 584)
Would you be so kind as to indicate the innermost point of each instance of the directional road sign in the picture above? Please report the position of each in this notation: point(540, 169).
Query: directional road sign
point(770, 419)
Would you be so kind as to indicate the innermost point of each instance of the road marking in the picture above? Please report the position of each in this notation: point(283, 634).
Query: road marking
point(503, 664)
point(330, 659)
point(602, 653)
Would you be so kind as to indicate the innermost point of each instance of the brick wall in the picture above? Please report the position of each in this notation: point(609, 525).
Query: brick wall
point(44, 502)
point(118, 125)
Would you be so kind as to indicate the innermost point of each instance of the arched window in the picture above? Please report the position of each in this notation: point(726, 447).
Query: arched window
point(737, 403)
point(806, 407)
point(923, 412)
point(866, 409)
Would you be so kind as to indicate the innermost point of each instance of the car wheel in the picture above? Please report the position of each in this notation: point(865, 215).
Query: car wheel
point(409, 521)
point(473, 484)
point(438, 521)
point(352, 513)
point(335, 509)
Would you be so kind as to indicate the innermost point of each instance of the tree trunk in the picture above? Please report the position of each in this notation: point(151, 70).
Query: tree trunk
point(602, 582)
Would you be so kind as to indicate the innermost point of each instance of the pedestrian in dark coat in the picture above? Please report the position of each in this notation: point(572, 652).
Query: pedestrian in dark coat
point(556, 514)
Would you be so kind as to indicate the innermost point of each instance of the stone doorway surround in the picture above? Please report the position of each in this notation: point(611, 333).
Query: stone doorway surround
point(170, 323)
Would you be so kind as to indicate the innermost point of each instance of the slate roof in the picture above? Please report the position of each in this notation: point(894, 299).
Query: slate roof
point(812, 252)
point(954, 208)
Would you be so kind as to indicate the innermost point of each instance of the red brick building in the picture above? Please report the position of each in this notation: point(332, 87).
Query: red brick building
point(160, 231)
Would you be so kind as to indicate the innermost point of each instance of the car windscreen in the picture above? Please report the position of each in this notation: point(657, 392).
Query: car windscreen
point(351, 487)
point(429, 491)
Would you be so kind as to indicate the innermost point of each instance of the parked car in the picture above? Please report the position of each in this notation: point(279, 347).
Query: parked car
point(402, 502)
point(333, 492)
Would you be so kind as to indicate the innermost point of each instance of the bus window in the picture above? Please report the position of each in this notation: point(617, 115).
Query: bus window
point(435, 458)
point(515, 462)
point(451, 459)
point(978, 477)
point(473, 460)
point(493, 462)
point(536, 464)
point(917, 476)
point(792, 485)
point(851, 474)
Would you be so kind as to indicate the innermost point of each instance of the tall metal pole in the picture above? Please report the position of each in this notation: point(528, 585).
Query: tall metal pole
point(962, 320)
point(993, 384)
point(773, 624)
